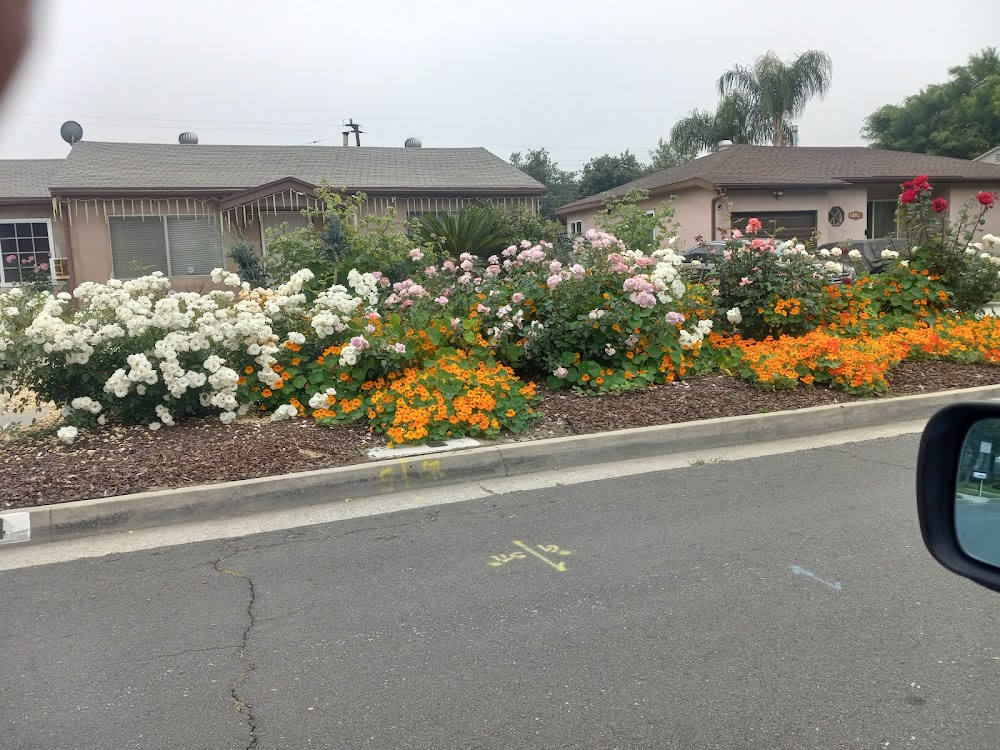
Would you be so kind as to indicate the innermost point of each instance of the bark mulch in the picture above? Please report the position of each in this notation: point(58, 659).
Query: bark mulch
point(39, 469)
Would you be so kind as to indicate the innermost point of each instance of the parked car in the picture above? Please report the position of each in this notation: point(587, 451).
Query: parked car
point(871, 250)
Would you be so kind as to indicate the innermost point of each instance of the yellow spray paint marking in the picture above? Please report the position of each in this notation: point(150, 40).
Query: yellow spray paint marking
point(497, 561)
point(429, 469)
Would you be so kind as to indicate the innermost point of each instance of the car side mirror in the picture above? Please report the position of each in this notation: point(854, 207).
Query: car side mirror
point(958, 490)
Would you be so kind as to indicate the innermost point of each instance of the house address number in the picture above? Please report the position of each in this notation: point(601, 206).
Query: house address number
point(856, 215)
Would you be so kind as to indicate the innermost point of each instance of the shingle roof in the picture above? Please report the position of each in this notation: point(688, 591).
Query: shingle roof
point(27, 178)
point(758, 166)
point(139, 166)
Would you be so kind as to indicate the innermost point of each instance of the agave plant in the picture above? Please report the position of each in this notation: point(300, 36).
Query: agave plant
point(471, 230)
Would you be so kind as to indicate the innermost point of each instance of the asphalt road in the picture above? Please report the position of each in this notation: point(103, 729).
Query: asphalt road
point(778, 602)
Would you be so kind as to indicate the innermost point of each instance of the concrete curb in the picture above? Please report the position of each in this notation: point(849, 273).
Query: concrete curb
point(149, 509)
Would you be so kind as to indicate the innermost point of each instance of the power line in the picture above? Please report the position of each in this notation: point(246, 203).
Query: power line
point(281, 127)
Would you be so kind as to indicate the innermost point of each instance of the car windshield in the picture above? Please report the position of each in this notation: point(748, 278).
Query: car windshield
point(448, 375)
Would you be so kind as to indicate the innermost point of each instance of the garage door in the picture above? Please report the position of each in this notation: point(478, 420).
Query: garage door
point(782, 224)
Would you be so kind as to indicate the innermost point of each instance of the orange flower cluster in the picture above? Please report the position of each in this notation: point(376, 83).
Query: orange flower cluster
point(786, 307)
point(453, 396)
point(859, 364)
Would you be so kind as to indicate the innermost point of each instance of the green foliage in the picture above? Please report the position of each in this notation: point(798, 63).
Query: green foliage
point(734, 120)
point(945, 249)
point(249, 264)
point(638, 229)
point(518, 223)
point(669, 154)
point(777, 293)
point(606, 172)
point(473, 230)
point(958, 118)
point(561, 186)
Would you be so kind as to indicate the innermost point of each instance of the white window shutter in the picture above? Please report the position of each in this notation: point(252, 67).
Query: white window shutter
point(138, 246)
point(195, 245)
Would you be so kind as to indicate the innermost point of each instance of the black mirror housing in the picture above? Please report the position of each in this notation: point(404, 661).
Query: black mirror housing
point(938, 462)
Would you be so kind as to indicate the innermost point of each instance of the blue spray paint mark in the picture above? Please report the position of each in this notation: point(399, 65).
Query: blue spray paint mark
point(800, 571)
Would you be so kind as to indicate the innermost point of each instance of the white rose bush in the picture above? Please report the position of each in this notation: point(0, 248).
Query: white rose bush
point(597, 316)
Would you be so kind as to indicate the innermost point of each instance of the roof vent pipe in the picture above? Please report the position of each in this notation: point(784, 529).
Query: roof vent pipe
point(412, 143)
point(188, 139)
point(723, 145)
point(347, 138)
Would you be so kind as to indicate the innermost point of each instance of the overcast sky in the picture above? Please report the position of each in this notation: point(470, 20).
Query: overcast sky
point(578, 77)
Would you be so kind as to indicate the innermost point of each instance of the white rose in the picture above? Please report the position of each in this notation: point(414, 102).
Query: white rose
point(734, 315)
point(854, 255)
point(836, 252)
point(67, 434)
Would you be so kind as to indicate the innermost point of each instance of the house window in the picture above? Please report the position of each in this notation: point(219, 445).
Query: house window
point(174, 245)
point(24, 246)
point(652, 213)
point(575, 228)
point(270, 224)
point(882, 219)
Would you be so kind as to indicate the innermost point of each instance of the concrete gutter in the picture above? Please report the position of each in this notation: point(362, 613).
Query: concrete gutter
point(50, 523)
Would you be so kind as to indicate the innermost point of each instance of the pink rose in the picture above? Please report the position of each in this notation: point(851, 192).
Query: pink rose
point(554, 280)
point(753, 225)
point(448, 265)
point(370, 328)
point(430, 270)
point(442, 300)
point(745, 281)
point(416, 253)
point(555, 266)
point(400, 347)
point(737, 234)
point(517, 298)
point(11, 258)
point(483, 310)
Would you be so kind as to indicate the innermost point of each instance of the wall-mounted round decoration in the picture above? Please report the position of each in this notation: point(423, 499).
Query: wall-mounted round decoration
point(836, 216)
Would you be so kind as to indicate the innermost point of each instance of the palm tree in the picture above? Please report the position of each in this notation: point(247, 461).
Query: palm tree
point(734, 120)
point(776, 91)
point(472, 230)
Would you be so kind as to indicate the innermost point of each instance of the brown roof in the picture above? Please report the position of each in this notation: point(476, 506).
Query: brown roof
point(141, 167)
point(27, 178)
point(766, 166)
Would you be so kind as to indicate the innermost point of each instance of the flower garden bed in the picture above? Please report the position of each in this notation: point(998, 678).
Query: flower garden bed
point(329, 355)
point(127, 459)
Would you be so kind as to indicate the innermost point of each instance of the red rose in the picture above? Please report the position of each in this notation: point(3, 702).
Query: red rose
point(985, 198)
point(908, 196)
point(940, 204)
point(920, 182)
point(908, 184)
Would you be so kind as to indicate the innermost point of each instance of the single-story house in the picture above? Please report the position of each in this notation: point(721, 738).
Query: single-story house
point(843, 193)
point(28, 232)
point(124, 209)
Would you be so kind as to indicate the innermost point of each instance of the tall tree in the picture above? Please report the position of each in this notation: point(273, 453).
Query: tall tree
point(959, 118)
point(602, 173)
point(669, 154)
point(561, 186)
point(778, 91)
point(734, 120)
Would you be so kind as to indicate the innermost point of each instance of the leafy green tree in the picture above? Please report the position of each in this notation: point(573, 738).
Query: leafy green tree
point(734, 120)
point(669, 154)
point(561, 186)
point(639, 230)
point(516, 224)
point(777, 91)
point(472, 230)
point(603, 173)
point(959, 118)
